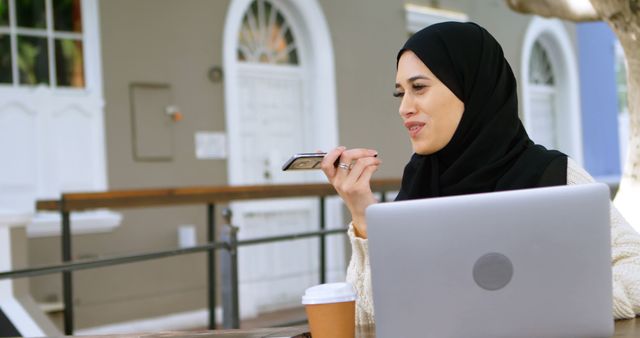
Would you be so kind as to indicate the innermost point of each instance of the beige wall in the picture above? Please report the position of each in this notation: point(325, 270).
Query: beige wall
point(151, 41)
point(164, 41)
point(366, 37)
point(176, 42)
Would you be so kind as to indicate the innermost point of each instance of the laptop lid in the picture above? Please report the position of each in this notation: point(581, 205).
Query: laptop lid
point(524, 263)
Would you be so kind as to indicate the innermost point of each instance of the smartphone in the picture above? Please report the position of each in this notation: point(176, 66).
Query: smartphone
point(304, 161)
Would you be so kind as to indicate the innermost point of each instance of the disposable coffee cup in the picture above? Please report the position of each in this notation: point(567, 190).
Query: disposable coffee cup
point(331, 310)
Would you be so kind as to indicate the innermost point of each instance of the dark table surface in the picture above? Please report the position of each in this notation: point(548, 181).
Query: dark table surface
point(624, 329)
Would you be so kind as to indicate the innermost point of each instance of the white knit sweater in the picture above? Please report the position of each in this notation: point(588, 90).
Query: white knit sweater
point(625, 246)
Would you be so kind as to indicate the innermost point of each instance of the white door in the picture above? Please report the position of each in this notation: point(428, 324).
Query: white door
point(543, 120)
point(273, 115)
point(273, 110)
point(51, 104)
point(543, 125)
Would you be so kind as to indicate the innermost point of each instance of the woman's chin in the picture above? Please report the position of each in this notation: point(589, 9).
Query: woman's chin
point(426, 146)
point(422, 151)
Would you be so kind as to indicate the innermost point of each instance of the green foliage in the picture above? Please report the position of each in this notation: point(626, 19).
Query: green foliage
point(27, 57)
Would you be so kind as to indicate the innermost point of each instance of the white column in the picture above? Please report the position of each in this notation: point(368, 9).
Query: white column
point(15, 300)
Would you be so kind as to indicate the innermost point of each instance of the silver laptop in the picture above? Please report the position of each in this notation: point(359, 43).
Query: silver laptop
point(524, 263)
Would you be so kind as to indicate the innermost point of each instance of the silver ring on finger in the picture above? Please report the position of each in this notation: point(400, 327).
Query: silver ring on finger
point(344, 166)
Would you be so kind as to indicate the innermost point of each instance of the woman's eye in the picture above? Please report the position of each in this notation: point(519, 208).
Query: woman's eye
point(418, 87)
point(398, 94)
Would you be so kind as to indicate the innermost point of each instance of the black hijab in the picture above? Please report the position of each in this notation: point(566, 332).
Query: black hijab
point(490, 150)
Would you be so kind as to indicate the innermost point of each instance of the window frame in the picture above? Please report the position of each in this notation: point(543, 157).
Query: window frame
point(46, 103)
point(51, 35)
point(621, 61)
point(257, 26)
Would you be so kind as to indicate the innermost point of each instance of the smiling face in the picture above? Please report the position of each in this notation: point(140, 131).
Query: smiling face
point(430, 111)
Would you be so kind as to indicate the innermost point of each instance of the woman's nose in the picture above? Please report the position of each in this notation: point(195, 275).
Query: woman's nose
point(406, 109)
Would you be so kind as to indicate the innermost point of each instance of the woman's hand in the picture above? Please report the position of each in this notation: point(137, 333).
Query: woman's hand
point(351, 179)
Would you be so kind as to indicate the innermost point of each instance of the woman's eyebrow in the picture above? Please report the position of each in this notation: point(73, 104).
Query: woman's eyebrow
point(418, 77)
point(413, 79)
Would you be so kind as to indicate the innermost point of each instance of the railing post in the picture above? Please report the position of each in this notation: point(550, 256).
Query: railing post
point(323, 262)
point(67, 277)
point(211, 238)
point(229, 266)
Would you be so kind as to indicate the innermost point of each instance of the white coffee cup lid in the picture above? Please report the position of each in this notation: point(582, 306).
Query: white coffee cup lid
point(329, 293)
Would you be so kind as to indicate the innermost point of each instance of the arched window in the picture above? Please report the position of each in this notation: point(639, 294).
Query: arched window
point(549, 82)
point(540, 71)
point(266, 37)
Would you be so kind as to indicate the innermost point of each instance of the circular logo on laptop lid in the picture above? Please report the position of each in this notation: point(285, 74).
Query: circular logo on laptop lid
point(492, 271)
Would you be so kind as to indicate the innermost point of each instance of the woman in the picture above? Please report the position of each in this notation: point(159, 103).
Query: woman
point(458, 102)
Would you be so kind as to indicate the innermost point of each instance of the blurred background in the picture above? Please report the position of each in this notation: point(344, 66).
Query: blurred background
point(100, 95)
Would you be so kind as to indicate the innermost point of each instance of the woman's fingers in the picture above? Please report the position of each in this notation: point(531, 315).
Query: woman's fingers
point(368, 172)
point(358, 168)
point(364, 183)
point(359, 197)
point(351, 155)
point(347, 178)
point(328, 161)
point(348, 158)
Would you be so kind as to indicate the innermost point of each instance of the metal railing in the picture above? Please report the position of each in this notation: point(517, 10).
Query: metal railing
point(210, 196)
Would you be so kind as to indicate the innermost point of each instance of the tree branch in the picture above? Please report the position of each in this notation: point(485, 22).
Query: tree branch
point(622, 15)
point(572, 10)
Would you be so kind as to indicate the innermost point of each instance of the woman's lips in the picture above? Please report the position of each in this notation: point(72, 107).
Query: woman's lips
point(414, 128)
